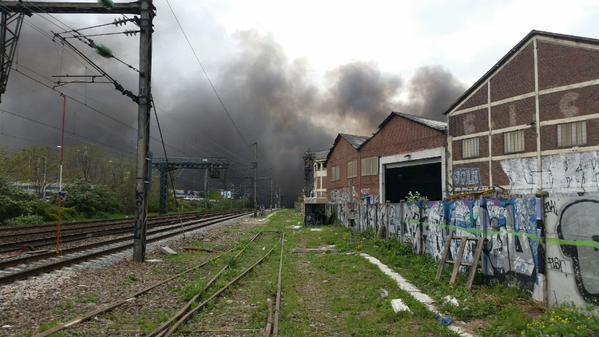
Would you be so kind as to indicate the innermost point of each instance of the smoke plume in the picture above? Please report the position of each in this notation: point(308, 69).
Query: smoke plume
point(271, 98)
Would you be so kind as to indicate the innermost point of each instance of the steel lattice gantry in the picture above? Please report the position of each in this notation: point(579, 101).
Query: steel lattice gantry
point(212, 164)
point(10, 28)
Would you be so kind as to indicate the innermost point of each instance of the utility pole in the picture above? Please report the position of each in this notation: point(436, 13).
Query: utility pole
point(145, 9)
point(255, 164)
point(206, 188)
point(270, 188)
point(143, 130)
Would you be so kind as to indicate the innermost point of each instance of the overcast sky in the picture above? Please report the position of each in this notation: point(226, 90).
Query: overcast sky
point(466, 37)
point(292, 73)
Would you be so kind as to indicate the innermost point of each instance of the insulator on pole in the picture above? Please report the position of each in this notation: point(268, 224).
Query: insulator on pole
point(131, 32)
point(104, 51)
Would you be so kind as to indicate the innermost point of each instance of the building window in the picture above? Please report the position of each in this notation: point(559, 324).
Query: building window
point(370, 166)
point(513, 141)
point(352, 169)
point(470, 148)
point(336, 173)
point(572, 134)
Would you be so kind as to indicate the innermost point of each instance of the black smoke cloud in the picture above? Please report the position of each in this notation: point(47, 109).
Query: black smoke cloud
point(271, 98)
point(431, 90)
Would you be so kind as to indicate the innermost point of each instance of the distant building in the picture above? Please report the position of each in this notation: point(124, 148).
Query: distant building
point(342, 167)
point(405, 154)
point(320, 174)
point(532, 121)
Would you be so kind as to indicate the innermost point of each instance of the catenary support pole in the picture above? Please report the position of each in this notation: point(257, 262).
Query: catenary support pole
point(143, 130)
point(60, 193)
point(255, 175)
point(206, 187)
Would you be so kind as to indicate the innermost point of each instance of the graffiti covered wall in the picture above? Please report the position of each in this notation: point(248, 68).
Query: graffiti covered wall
point(572, 227)
point(562, 269)
point(562, 173)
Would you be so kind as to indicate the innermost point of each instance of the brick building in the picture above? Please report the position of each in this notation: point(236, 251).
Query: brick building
point(341, 174)
point(410, 151)
point(319, 189)
point(532, 121)
point(406, 153)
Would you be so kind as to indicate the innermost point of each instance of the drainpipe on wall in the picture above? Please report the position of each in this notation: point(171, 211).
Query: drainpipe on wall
point(541, 250)
point(482, 209)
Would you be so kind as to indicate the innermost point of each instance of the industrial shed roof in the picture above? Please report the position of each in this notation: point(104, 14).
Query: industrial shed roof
point(437, 125)
point(321, 155)
point(354, 140)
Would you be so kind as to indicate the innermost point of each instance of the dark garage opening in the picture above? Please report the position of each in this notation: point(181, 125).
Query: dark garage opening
point(425, 179)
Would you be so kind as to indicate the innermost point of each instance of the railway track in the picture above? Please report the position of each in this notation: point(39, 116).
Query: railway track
point(249, 254)
point(41, 238)
point(31, 265)
point(50, 227)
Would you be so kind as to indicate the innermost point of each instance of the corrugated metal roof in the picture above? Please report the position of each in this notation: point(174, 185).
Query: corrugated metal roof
point(354, 140)
point(321, 155)
point(441, 126)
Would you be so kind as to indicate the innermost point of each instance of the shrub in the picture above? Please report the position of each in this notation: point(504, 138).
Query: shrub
point(90, 199)
point(26, 220)
point(15, 203)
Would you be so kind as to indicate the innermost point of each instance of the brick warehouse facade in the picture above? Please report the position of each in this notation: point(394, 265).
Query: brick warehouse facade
point(401, 142)
point(532, 122)
point(344, 150)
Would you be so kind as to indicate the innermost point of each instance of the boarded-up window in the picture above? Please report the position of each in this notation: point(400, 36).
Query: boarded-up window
point(335, 173)
point(572, 134)
point(352, 169)
point(370, 166)
point(513, 141)
point(470, 148)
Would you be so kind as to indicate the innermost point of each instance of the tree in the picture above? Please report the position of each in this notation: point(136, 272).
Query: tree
point(91, 200)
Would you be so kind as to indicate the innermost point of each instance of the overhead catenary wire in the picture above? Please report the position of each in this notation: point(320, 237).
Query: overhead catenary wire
point(126, 32)
point(116, 22)
point(85, 104)
point(53, 20)
point(36, 121)
point(165, 154)
point(49, 36)
point(218, 96)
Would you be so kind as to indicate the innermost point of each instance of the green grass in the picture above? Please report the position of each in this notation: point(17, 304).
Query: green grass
point(492, 310)
point(338, 294)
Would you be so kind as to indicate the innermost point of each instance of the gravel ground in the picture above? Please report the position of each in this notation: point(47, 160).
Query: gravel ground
point(30, 305)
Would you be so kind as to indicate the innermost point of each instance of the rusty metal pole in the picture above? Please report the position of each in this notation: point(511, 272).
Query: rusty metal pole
point(143, 130)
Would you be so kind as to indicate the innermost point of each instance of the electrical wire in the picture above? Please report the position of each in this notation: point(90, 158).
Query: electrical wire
point(74, 99)
point(60, 24)
point(218, 96)
point(165, 154)
point(36, 121)
point(115, 22)
point(126, 32)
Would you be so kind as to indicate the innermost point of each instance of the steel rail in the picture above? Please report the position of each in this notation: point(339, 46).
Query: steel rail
point(89, 232)
point(192, 225)
point(184, 318)
point(108, 307)
point(32, 258)
point(162, 328)
point(275, 327)
point(49, 227)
